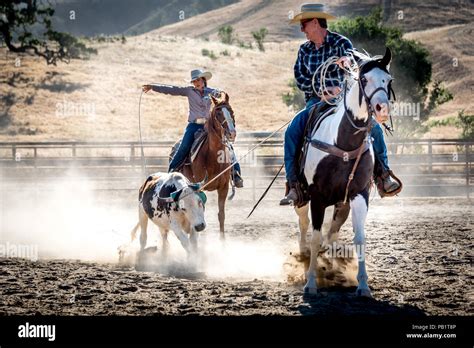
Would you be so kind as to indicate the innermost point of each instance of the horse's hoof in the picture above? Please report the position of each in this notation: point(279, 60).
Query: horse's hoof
point(363, 293)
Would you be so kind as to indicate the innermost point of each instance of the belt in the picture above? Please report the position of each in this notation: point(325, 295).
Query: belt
point(200, 120)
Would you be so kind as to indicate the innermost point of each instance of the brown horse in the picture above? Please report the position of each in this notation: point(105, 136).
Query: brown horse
point(214, 156)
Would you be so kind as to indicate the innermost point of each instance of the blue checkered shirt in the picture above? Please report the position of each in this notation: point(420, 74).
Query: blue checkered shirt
point(309, 58)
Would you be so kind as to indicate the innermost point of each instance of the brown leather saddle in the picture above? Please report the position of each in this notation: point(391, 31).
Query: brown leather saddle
point(199, 138)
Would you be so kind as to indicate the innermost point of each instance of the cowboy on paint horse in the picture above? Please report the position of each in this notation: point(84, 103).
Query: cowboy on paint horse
point(321, 45)
point(199, 111)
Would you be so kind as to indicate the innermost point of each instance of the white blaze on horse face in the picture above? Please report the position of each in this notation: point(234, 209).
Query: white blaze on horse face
point(230, 123)
point(377, 78)
point(193, 208)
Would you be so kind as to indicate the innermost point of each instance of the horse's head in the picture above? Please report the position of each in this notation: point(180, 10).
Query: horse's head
point(222, 116)
point(375, 85)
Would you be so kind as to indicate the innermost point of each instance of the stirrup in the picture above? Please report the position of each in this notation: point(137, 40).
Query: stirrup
point(379, 183)
point(291, 198)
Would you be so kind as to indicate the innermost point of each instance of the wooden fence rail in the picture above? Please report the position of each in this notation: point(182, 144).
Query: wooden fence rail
point(428, 167)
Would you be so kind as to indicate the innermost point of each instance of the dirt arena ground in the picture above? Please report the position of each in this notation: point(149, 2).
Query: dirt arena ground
point(419, 255)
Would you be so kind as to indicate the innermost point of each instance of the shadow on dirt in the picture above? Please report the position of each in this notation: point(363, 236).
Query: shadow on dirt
point(336, 296)
point(342, 301)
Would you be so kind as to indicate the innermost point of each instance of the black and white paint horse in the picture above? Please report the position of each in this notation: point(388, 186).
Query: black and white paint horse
point(327, 173)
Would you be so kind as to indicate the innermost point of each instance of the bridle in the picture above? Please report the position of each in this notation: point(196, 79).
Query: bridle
point(368, 99)
point(228, 119)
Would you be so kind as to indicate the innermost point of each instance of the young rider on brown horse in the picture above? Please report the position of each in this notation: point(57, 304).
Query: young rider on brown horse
point(199, 111)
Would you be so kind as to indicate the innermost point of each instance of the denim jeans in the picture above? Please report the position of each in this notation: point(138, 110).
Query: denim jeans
point(236, 168)
point(294, 137)
point(380, 148)
point(185, 147)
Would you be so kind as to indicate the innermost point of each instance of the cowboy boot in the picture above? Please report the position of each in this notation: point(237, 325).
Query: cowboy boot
point(238, 181)
point(385, 184)
point(292, 195)
point(388, 184)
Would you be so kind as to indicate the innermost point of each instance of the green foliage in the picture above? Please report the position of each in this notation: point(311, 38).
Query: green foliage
point(225, 53)
point(408, 128)
point(123, 39)
point(206, 53)
point(243, 44)
point(411, 67)
point(295, 97)
point(26, 27)
point(466, 123)
point(226, 34)
point(462, 121)
point(259, 36)
point(439, 95)
point(411, 64)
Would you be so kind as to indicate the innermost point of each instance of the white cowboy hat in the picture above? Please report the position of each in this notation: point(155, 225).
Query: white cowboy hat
point(198, 73)
point(310, 11)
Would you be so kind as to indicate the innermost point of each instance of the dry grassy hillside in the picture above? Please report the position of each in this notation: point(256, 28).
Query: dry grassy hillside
point(248, 15)
point(452, 52)
point(98, 98)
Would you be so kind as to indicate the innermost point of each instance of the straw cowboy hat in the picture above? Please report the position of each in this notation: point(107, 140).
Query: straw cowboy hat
point(310, 11)
point(198, 73)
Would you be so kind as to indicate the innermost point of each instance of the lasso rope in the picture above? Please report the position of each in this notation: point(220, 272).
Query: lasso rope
point(322, 71)
point(140, 132)
point(242, 157)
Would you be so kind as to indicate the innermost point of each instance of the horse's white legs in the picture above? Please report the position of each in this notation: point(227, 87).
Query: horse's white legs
point(317, 218)
point(311, 286)
point(359, 214)
point(303, 221)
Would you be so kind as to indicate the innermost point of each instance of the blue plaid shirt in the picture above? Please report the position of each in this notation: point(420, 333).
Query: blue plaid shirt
point(309, 58)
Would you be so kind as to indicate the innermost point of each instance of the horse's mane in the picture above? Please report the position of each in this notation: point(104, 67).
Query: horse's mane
point(364, 56)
